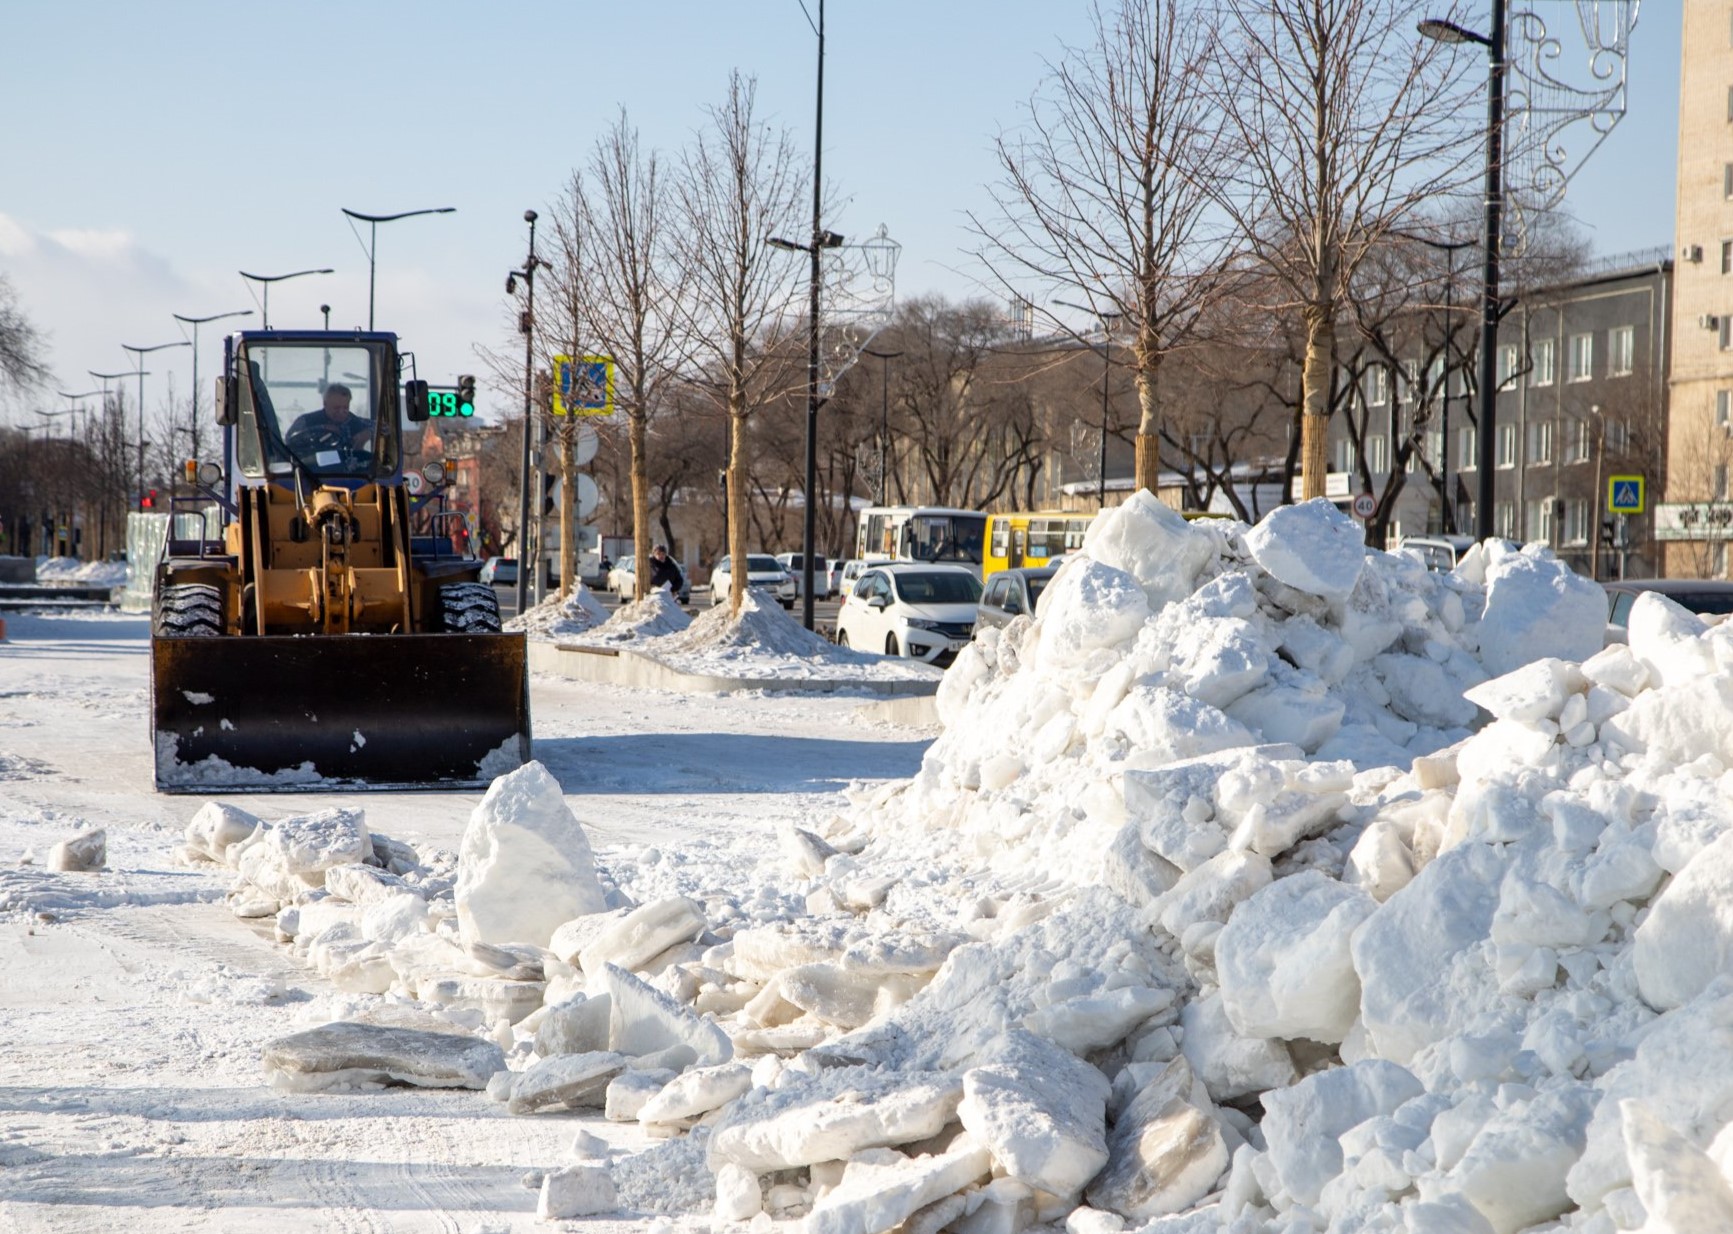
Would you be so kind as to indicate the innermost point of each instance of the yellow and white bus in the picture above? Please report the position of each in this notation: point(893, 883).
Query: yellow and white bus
point(1031, 539)
point(921, 533)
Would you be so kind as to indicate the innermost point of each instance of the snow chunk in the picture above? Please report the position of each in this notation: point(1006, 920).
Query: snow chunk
point(1536, 606)
point(1041, 1112)
point(1667, 639)
point(576, 1191)
point(881, 1189)
point(1312, 547)
point(564, 1082)
point(1155, 545)
point(833, 1116)
point(1303, 1124)
point(644, 1021)
point(1087, 606)
point(1687, 939)
point(1165, 1152)
point(1681, 1188)
point(349, 1055)
point(1284, 961)
point(1678, 724)
point(524, 864)
point(1535, 691)
point(82, 854)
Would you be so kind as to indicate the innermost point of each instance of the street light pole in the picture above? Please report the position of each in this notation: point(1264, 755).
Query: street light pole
point(195, 323)
point(1106, 371)
point(810, 480)
point(267, 279)
point(527, 325)
point(884, 420)
point(1449, 32)
point(373, 221)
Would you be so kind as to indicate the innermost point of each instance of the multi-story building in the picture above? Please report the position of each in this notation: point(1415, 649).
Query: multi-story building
point(1582, 397)
point(1695, 521)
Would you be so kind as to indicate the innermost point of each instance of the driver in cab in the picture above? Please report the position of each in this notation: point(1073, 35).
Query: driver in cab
point(331, 427)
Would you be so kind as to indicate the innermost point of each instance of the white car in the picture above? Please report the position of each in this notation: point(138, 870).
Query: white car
point(623, 578)
point(848, 574)
point(761, 571)
point(794, 563)
point(925, 612)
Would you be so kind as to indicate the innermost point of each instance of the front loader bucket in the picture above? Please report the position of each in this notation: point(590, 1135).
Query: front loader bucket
point(268, 714)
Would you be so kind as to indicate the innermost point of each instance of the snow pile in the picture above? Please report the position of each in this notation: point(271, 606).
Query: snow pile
point(72, 570)
point(554, 619)
point(1297, 919)
point(763, 640)
point(656, 614)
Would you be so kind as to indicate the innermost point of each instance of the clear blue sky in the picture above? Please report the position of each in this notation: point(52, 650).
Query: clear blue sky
point(153, 150)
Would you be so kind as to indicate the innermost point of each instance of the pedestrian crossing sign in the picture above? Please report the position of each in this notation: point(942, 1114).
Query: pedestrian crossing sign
point(1625, 494)
point(583, 385)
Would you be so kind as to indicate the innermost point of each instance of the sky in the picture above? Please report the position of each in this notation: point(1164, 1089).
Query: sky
point(154, 151)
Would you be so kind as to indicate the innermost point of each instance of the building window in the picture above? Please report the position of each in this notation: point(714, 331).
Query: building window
point(1509, 357)
point(1506, 446)
point(1542, 373)
point(1465, 516)
point(1377, 453)
point(1582, 357)
point(1467, 458)
point(1410, 380)
point(1539, 442)
point(1578, 441)
point(1730, 102)
point(1576, 522)
point(1718, 559)
point(1378, 386)
point(1621, 351)
point(1727, 257)
point(1504, 520)
point(1346, 455)
point(1724, 410)
point(1199, 446)
point(1720, 493)
point(1618, 436)
point(1540, 519)
point(1725, 322)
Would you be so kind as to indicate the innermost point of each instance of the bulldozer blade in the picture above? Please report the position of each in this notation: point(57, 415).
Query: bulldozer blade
point(376, 711)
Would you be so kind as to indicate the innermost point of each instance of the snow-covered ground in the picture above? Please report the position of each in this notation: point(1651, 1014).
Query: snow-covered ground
point(1264, 885)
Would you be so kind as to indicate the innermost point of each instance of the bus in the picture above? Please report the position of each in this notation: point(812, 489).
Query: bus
point(1031, 539)
point(921, 533)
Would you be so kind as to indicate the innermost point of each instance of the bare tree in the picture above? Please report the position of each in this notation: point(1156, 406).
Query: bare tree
point(1111, 193)
point(622, 286)
point(21, 344)
point(738, 187)
point(1346, 124)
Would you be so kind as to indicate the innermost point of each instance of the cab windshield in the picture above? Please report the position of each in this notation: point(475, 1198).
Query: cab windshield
point(318, 409)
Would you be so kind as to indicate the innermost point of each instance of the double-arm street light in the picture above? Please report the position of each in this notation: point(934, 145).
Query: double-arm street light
point(373, 221)
point(265, 281)
point(1106, 371)
point(884, 419)
point(527, 324)
point(1450, 32)
point(139, 354)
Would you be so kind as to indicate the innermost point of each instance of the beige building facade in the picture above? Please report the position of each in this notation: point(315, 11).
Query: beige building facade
point(1695, 521)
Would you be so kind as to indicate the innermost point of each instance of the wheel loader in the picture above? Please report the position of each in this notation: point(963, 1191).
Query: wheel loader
point(303, 637)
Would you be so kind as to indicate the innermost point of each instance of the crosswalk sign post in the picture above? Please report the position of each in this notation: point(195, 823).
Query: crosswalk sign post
point(583, 385)
point(1625, 494)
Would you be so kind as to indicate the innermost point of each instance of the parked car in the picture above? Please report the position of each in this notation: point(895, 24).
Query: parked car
point(623, 578)
point(499, 571)
point(762, 571)
point(1437, 552)
point(925, 612)
point(1012, 593)
point(795, 563)
point(848, 574)
point(1706, 597)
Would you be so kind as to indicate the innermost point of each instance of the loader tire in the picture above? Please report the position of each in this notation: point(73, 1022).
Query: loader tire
point(190, 610)
point(469, 608)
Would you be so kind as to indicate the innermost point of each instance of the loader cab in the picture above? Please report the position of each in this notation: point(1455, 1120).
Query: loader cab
point(317, 408)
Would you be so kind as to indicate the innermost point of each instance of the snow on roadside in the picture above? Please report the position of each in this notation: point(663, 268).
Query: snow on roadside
point(656, 614)
point(72, 570)
point(764, 641)
point(555, 619)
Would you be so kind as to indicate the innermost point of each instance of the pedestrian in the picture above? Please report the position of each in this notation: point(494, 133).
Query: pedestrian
point(663, 571)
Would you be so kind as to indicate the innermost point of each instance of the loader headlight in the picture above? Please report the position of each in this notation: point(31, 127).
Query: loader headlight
point(434, 474)
point(210, 474)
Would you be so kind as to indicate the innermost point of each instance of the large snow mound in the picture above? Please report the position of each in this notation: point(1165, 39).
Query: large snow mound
point(555, 619)
point(656, 614)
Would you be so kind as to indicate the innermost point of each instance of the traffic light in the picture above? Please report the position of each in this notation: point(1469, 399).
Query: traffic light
point(466, 395)
point(148, 501)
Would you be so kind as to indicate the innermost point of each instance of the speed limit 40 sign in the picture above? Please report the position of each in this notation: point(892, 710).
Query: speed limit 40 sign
point(1365, 506)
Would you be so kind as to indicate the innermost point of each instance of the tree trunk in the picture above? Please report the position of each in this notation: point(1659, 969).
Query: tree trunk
point(1147, 468)
point(640, 504)
point(568, 510)
point(1315, 399)
point(737, 503)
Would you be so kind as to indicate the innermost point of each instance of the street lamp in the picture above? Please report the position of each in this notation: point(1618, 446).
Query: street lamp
point(195, 323)
point(1450, 32)
point(139, 354)
point(1450, 248)
point(267, 279)
point(373, 221)
point(884, 419)
point(526, 324)
point(1106, 370)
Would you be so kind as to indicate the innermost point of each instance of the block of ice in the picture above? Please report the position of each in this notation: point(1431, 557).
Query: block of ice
point(1041, 1112)
point(350, 1055)
point(1312, 547)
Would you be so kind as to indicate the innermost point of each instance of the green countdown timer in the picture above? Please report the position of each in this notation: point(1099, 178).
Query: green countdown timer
point(447, 403)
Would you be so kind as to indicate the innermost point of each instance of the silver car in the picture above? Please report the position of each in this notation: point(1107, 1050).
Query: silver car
point(1010, 594)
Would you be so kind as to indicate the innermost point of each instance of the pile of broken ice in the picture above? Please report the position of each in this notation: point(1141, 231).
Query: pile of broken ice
point(1264, 884)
